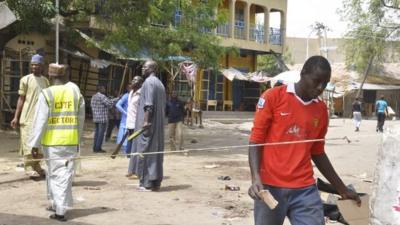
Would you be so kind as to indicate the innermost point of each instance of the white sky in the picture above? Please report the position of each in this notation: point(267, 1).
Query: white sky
point(303, 13)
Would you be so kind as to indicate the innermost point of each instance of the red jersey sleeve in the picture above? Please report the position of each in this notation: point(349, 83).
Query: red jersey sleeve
point(319, 147)
point(262, 118)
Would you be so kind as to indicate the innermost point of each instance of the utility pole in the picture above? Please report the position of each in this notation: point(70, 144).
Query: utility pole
point(307, 49)
point(319, 28)
point(57, 29)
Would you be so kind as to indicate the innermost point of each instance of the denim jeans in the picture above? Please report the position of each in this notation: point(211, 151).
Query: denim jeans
point(302, 206)
point(99, 136)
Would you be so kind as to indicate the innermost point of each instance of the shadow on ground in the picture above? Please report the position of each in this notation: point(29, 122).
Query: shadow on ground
point(12, 219)
point(175, 187)
point(76, 213)
point(88, 183)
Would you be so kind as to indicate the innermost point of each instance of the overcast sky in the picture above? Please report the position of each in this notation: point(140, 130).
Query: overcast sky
point(303, 13)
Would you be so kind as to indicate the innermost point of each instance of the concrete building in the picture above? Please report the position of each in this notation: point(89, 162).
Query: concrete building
point(252, 37)
point(316, 46)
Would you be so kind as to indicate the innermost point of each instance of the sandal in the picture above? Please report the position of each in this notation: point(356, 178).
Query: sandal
point(58, 217)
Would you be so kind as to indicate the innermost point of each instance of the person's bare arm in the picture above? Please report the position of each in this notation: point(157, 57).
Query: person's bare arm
point(325, 167)
point(20, 104)
point(254, 162)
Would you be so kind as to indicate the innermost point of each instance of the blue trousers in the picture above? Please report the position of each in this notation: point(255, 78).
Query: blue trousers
point(99, 131)
point(303, 206)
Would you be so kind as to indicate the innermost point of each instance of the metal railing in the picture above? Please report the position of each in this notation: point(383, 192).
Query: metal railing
point(223, 30)
point(275, 36)
point(206, 30)
point(257, 33)
point(240, 29)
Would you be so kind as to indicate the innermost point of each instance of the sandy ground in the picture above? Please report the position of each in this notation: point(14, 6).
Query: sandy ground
point(191, 191)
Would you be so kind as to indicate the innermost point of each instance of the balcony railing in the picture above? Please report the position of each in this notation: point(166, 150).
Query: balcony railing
point(223, 30)
point(177, 17)
point(257, 33)
point(239, 29)
point(206, 30)
point(275, 36)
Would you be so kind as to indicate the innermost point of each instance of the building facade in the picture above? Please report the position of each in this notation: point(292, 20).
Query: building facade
point(250, 29)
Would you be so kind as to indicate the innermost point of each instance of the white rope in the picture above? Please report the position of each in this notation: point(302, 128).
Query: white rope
point(209, 149)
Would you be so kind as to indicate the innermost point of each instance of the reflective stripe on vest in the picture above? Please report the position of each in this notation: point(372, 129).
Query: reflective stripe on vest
point(62, 123)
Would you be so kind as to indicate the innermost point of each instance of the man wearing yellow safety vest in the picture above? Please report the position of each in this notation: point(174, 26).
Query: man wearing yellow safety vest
point(58, 126)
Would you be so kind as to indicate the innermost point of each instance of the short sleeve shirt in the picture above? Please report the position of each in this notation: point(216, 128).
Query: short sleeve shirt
point(281, 116)
point(381, 106)
point(30, 86)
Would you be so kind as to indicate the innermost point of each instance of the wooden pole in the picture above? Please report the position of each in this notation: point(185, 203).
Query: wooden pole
point(86, 79)
point(2, 87)
point(371, 58)
point(123, 79)
point(109, 80)
point(20, 64)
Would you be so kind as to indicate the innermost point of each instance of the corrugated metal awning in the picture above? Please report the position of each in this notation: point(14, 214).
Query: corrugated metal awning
point(368, 86)
point(7, 17)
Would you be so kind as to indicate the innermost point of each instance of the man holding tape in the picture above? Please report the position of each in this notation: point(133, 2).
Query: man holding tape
point(288, 113)
point(58, 126)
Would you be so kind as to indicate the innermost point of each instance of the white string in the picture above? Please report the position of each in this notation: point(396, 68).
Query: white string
point(209, 149)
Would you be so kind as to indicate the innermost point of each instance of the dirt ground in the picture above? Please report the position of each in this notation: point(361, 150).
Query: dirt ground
point(191, 191)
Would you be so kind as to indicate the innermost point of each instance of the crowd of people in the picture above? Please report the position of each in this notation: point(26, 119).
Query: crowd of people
point(51, 119)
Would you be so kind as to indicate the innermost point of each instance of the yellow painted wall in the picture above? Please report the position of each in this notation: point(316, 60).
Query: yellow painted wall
point(235, 61)
point(253, 14)
point(224, 5)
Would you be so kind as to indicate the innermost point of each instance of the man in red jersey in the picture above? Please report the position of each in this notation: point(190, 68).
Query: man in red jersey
point(292, 112)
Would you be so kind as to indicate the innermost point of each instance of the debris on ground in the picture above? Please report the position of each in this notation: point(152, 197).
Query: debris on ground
point(232, 187)
point(224, 178)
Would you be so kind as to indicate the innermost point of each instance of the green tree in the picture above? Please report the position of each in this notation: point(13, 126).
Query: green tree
point(371, 23)
point(156, 29)
point(270, 63)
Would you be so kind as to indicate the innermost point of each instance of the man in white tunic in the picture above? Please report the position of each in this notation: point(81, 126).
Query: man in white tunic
point(58, 126)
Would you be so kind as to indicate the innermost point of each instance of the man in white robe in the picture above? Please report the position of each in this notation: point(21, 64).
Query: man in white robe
point(60, 172)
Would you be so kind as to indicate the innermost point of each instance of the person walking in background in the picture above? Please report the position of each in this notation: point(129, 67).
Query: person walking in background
point(150, 116)
point(58, 127)
point(30, 87)
point(114, 116)
point(122, 107)
point(133, 103)
point(381, 112)
point(175, 112)
point(357, 113)
point(100, 105)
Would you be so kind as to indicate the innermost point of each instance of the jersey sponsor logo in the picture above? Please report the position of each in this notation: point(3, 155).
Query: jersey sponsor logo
point(260, 103)
point(294, 130)
point(284, 114)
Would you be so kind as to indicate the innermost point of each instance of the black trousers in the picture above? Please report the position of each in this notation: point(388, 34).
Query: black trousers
point(111, 124)
point(381, 121)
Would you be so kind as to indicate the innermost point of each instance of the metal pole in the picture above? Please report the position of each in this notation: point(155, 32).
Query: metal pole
point(57, 29)
point(308, 37)
point(326, 45)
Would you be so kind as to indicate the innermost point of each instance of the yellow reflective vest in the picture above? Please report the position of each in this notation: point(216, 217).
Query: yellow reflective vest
point(63, 121)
